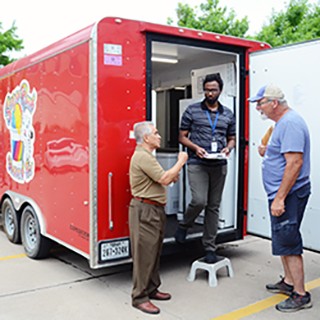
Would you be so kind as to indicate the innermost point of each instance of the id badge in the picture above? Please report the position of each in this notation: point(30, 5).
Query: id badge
point(214, 146)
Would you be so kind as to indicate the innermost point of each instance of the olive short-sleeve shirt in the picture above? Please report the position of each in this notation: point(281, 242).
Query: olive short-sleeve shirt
point(145, 171)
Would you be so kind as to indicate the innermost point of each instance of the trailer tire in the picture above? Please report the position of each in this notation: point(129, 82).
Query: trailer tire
point(35, 245)
point(11, 221)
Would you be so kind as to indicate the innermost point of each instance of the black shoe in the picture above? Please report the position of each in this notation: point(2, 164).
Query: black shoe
point(295, 302)
point(180, 235)
point(280, 287)
point(210, 257)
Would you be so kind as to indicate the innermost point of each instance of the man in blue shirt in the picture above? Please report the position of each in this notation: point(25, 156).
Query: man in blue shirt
point(207, 130)
point(286, 179)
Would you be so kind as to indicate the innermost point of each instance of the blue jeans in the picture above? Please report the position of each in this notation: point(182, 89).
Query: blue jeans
point(285, 230)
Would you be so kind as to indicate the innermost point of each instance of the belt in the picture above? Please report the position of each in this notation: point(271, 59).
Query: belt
point(155, 203)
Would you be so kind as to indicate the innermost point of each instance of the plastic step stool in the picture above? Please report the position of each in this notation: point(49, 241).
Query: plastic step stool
point(212, 269)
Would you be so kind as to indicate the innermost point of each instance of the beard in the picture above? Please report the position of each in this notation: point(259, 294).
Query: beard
point(211, 101)
point(263, 116)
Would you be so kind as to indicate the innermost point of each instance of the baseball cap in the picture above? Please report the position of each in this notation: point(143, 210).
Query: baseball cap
point(268, 91)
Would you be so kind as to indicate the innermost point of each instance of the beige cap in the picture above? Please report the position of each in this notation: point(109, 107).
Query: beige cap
point(268, 91)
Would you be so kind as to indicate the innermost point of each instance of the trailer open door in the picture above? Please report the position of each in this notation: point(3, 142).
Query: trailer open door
point(295, 70)
point(176, 70)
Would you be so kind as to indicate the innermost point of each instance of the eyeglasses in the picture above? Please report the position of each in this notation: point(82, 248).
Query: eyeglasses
point(263, 102)
point(210, 90)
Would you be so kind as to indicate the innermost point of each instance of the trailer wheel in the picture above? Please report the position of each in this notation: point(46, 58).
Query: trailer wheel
point(11, 221)
point(35, 245)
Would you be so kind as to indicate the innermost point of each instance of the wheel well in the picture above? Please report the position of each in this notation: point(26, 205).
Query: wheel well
point(1, 201)
point(21, 207)
point(19, 211)
point(5, 196)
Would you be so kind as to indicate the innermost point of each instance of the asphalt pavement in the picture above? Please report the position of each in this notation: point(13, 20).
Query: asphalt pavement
point(63, 287)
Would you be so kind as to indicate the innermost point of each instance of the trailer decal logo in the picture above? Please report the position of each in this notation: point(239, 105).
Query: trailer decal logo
point(19, 107)
point(112, 54)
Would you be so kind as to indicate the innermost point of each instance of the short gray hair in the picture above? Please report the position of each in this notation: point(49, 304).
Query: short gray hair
point(281, 101)
point(140, 129)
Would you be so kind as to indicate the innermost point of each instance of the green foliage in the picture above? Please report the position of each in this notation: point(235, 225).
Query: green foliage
point(300, 21)
point(210, 17)
point(9, 42)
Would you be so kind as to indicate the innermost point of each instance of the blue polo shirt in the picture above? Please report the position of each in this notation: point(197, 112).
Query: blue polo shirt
point(290, 134)
point(195, 120)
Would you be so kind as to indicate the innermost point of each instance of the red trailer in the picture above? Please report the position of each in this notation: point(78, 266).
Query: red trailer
point(66, 132)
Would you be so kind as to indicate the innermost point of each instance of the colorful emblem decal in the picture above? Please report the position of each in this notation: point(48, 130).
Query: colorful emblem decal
point(19, 107)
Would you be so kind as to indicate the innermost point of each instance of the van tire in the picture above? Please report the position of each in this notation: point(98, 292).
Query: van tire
point(35, 245)
point(11, 221)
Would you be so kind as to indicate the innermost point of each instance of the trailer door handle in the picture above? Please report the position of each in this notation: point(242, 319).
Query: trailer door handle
point(110, 200)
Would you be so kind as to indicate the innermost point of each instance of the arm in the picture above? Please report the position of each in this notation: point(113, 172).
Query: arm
point(230, 145)
point(230, 135)
point(294, 161)
point(172, 174)
point(183, 139)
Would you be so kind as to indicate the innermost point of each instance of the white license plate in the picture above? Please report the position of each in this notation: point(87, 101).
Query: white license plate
point(114, 250)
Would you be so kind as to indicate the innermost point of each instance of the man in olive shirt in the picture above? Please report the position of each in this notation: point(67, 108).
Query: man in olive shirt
point(147, 216)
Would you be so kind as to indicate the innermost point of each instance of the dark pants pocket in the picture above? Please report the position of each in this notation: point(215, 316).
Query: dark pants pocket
point(286, 239)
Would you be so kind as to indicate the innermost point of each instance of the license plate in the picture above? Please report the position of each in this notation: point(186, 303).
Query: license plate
point(114, 250)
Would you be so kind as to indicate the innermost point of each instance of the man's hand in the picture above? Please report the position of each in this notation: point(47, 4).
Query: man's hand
point(226, 150)
point(183, 156)
point(176, 178)
point(172, 174)
point(277, 207)
point(200, 152)
point(262, 150)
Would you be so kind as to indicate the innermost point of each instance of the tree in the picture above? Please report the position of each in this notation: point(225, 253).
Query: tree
point(212, 18)
point(9, 42)
point(298, 22)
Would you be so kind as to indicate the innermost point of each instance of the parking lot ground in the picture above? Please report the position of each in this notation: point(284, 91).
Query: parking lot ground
point(63, 286)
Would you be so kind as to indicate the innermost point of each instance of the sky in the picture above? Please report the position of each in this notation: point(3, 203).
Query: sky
point(40, 23)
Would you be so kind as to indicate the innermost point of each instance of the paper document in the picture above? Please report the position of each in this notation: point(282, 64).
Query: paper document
point(215, 156)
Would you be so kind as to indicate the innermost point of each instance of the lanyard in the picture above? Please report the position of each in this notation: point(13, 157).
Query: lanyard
point(213, 126)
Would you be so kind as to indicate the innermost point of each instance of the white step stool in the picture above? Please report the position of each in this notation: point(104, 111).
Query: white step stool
point(212, 269)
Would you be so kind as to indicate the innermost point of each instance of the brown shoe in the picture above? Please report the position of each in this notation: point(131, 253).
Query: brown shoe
point(160, 296)
point(148, 307)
